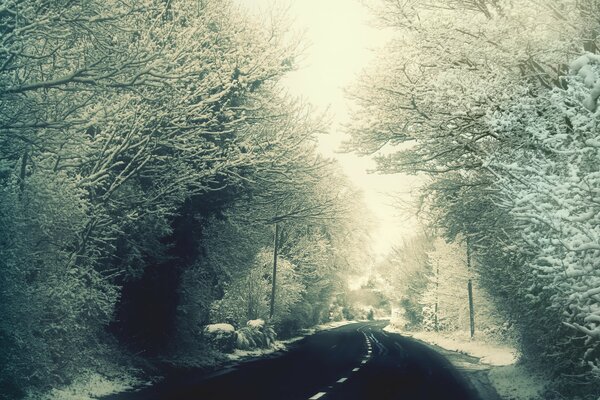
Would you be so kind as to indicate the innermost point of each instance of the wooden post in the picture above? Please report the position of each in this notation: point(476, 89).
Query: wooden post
point(471, 309)
point(275, 243)
point(470, 291)
point(437, 296)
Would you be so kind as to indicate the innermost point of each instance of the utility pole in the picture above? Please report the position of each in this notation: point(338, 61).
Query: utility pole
point(275, 244)
point(470, 290)
point(437, 295)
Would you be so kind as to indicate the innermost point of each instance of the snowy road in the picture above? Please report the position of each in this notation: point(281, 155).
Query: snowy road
point(356, 361)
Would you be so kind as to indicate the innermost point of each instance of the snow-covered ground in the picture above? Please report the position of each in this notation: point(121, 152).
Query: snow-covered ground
point(89, 386)
point(280, 345)
point(487, 351)
point(510, 379)
point(515, 382)
point(92, 385)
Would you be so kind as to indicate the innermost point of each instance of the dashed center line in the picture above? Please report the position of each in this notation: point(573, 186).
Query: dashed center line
point(342, 380)
point(355, 369)
point(317, 396)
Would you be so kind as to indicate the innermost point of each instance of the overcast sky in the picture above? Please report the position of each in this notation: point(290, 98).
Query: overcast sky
point(341, 43)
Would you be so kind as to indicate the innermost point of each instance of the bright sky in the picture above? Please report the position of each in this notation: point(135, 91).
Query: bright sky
point(341, 43)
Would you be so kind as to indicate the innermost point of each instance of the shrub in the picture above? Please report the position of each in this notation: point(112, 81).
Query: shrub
point(256, 334)
point(220, 336)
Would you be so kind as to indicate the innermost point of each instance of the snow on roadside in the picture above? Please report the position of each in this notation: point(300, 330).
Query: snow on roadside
point(88, 386)
point(511, 380)
point(239, 354)
point(325, 326)
point(488, 352)
point(280, 345)
point(516, 382)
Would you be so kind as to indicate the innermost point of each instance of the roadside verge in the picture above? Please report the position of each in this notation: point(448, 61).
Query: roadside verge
point(493, 370)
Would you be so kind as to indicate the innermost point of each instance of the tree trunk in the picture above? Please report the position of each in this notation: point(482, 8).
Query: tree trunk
point(23, 173)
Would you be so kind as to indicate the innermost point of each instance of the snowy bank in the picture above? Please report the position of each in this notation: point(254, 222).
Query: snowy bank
point(487, 351)
point(89, 386)
point(517, 382)
point(281, 345)
point(511, 380)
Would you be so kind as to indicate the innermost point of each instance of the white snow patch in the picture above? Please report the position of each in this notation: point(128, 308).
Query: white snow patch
point(279, 345)
point(516, 382)
point(326, 326)
point(88, 386)
point(487, 351)
point(258, 352)
point(219, 328)
point(256, 323)
point(512, 380)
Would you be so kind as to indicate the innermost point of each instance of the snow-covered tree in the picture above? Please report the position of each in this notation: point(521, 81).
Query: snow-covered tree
point(550, 187)
point(247, 297)
point(483, 97)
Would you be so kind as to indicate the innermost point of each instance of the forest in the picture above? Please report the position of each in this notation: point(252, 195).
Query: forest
point(149, 163)
point(157, 179)
point(496, 103)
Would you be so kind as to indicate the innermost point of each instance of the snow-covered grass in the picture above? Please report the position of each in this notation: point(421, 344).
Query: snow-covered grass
point(88, 386)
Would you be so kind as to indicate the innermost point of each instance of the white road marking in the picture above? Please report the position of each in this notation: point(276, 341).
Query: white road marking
point(363, 362)
point(399, 347)
point(384, 334)
point(334, 346)
point(355, 369)
point(317, 396)
point(342, 380)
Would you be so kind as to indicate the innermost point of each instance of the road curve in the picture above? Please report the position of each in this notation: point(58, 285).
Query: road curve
point(356, 361)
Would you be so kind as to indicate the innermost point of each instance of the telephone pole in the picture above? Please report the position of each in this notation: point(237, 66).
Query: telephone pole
point(470, 290)
point(275, 244)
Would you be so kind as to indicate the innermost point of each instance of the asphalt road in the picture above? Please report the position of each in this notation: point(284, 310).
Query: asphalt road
point(356, 361)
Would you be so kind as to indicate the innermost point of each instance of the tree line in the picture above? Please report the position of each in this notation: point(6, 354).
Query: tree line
point(147, 153)
point(496, 104)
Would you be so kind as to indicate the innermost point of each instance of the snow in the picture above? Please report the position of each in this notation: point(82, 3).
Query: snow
point(488, 352)
point(88, 386)
point(281, 345)
point(258, 352)
point(326, 326)
point(219, 328)
point(516, 382)
point(510, 379)
point(256, 323)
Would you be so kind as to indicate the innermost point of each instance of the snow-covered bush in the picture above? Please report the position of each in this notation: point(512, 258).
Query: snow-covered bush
point(256, 334)
point(550, 182)
point(221, 336)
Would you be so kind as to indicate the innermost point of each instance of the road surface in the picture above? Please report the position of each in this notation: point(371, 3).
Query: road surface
point(356, 361)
